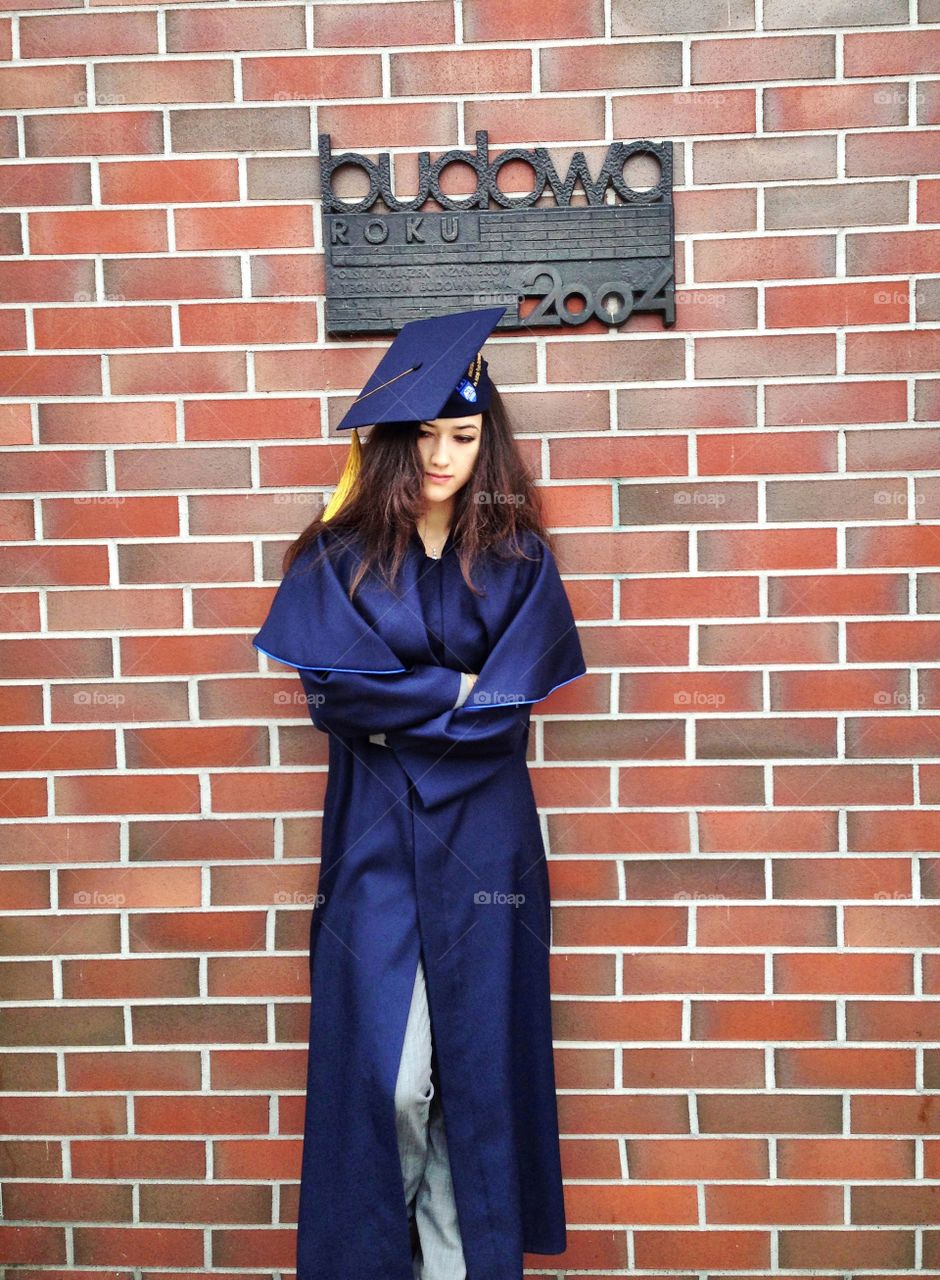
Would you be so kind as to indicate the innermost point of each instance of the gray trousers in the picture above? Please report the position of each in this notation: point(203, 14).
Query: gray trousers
point(422, 1148)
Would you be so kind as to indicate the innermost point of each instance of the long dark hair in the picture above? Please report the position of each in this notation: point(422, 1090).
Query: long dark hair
point(492, 509)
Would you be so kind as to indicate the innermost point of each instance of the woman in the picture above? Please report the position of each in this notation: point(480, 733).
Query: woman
point(425, 615)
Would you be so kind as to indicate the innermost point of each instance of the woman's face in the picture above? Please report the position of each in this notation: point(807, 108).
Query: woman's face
point(449, 448)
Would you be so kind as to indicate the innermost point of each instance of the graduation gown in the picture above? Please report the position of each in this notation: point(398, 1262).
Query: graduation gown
point(430, 844)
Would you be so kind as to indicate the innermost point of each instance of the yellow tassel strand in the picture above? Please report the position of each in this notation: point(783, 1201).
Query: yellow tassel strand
point(348, 478)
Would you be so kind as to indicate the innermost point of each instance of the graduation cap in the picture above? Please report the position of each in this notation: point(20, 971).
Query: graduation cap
point(433, 369)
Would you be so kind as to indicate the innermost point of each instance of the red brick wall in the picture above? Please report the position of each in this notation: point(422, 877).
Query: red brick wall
point(740, 803)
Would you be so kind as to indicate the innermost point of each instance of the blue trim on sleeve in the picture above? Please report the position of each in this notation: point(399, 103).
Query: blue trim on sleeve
point(392, 671)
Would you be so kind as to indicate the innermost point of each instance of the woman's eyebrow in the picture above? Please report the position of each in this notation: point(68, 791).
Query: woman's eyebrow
point(461, 426)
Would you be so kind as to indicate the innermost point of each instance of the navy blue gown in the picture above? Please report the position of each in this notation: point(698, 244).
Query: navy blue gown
point(431, 843)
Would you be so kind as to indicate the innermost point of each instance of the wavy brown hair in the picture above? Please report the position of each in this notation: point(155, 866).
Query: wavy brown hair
point(491, 511)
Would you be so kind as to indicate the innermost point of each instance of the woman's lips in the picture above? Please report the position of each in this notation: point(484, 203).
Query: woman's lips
point(433, 476)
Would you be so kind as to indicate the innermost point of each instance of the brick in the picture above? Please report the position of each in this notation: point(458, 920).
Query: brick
point(38, 375)
point(835, 205)
point(343, 26)
point(189, 562)
point(69, 1203)
point(892, 351)
point(765, 354)
point(860, 497)
point(165, 81)
point(891, 252)
point(198, 931)
point(612, 66)
point(179, 1202)
point(799, 403)
point(250, 419)
point(685, 113)
point(98, 327)
point(247, 324)
point(196, 747)
point(47, 471)
point(249, 227)
point(306, 76)
point(144, 1246)
point(240, 129)
point(98, 231)
point(256, 513)
point(130, 1071)
point(60, 659)
point(417, 73)
point(110, 515)
point(891, 449)
point(25, 1244)
point(900, 152)
point(763, 58)
point(128, 887)
point(59, 842)
point(181, 468)
point(812, 306)
point(119, 702)
point(137, 1158)
point(97, 133)
point(833, 13)
point(130, 977)
point(69, 1025)
point(844, 106)
point(202, 1115)
point(178, 373)
point(163, 1024)
point(99, 423)
point(169, 181)
point(519, 121)
point(201, 31)
point(661, 17)
point(528, 20)
point(764, 159)
point(892, 53)
point(22, 88)
point(765, 257)
point(392, 123)
point(172, 277)
point(49, 750)
point(127, 794)
point(687, 407)
point(767, 453)
point(651, 359)
point(81, 35)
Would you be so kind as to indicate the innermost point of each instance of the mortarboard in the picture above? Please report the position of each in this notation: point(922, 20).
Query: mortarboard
point(433, 369)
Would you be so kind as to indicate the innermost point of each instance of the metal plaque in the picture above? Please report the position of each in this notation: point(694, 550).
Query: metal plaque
point(386, 267)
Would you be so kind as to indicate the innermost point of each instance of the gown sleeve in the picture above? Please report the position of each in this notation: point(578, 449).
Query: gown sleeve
point(537, 652)
point(354, 703)
point(354, 682)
